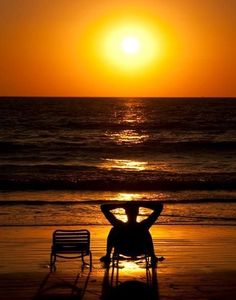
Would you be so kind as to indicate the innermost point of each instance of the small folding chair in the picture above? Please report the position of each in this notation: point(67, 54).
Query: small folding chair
point(70, 244)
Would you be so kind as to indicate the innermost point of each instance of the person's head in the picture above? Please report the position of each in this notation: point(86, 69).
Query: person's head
point(132, 213)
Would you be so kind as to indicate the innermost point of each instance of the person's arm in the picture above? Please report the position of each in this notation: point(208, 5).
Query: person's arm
point(157, 209)
point(106, 209)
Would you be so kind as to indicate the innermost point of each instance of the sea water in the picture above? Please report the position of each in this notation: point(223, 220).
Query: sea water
point(60, 158)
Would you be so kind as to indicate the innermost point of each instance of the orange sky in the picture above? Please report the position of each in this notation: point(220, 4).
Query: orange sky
point(59, 48)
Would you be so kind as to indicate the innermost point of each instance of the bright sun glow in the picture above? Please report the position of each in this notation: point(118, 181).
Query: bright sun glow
point(130, 45)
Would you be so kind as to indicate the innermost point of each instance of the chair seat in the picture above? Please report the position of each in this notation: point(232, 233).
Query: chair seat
point(131, 252)
point(66, 248)
point(70, 250)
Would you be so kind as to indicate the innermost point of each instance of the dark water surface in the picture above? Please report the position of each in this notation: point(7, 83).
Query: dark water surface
point(168, 149)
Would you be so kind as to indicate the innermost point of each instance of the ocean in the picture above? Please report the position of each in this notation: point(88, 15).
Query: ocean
point(60, 158)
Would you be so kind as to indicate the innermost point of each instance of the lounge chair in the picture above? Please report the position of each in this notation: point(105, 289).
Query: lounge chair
point(70, 244)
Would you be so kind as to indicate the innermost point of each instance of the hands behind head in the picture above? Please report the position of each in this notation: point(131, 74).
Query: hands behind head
point(147, 204)
point(127, 204)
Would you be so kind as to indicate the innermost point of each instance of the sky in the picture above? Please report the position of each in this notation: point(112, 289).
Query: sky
point(122, 48)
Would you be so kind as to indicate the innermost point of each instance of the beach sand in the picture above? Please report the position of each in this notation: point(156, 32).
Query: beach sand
point(200, 263)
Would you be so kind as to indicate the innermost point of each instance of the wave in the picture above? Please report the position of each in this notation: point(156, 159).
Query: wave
point(89, 177)
point(99, 202)
point(98, 186)
point(185, 146)
point(5, 147)
point(217, 221)
point(51, 177)
point(111, 145)
point(152, 125)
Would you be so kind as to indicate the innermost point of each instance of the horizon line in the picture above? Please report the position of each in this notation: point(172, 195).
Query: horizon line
point(120, 97)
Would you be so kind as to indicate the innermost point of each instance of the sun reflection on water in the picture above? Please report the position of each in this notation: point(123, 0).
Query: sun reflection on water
point(129, 165)
point(130, 115)
point(127, 196)
point(133, 112)
point(127, 136)
point(120, 214)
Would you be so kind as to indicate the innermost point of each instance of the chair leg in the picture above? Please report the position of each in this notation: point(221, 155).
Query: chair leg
point(90, 260)
point(115, 260)
point(83, 261)
point(114, 269)
point(147, 261)
point(52, 261)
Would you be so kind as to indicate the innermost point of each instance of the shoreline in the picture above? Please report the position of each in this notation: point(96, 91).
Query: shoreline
point(200, 263)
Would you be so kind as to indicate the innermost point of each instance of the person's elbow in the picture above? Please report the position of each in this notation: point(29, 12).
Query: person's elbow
point(160, 208)
point(157, 206)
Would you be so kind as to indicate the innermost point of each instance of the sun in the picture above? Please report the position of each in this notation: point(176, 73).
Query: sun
point(130, 45)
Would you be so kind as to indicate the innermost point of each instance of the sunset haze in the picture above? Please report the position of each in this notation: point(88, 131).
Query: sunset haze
point(74, 48)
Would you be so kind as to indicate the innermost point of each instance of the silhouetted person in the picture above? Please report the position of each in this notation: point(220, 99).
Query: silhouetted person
point(135, 235)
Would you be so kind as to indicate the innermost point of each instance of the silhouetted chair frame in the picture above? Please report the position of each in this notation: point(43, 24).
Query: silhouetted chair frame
point(120, 254)
point(70, 244)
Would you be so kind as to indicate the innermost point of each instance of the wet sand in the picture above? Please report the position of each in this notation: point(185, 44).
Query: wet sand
point(200, 263)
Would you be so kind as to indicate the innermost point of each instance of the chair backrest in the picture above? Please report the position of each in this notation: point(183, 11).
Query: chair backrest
point(133, 242)
point(79, 239)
